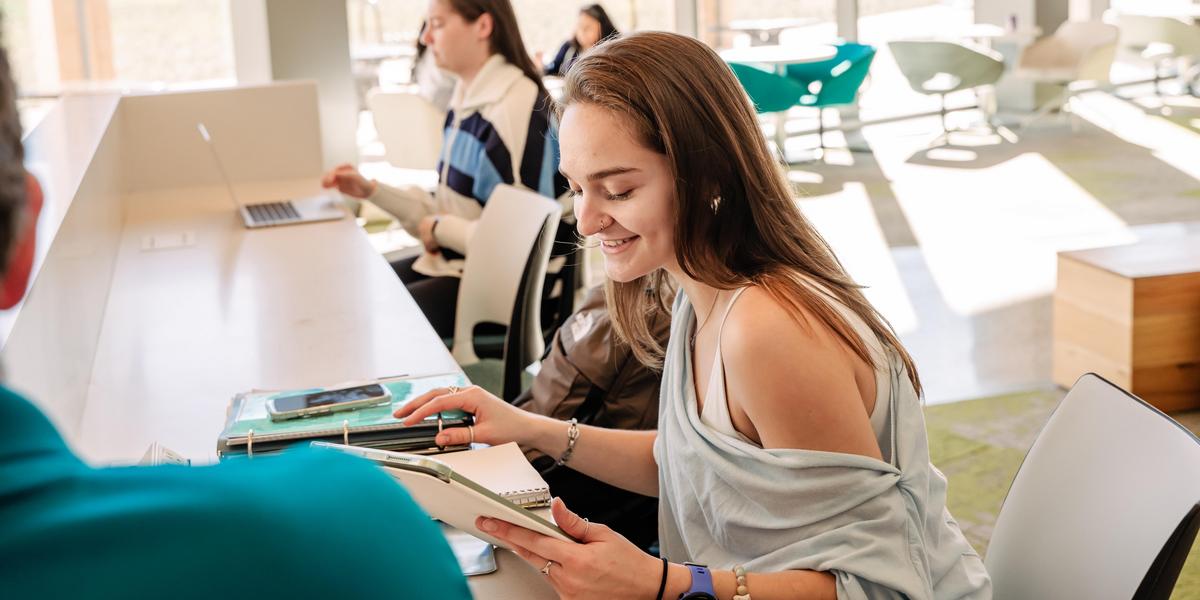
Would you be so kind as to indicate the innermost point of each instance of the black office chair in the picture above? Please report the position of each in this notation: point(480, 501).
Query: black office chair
point(563, 280)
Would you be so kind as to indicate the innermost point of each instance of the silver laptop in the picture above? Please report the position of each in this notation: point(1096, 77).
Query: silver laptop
point(323, 207)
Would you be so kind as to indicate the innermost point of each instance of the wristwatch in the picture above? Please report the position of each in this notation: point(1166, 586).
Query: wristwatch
point(702, 585)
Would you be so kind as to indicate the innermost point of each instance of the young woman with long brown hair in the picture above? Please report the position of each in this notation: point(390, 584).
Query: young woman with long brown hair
point(499, 131)
point(791, 455)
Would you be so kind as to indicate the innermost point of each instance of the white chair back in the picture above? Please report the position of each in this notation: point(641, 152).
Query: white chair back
point(1138, 32)
point(1104, 487)
point(1077, 51)
point(513, 222)
point(1095, 45)
point(410, 128)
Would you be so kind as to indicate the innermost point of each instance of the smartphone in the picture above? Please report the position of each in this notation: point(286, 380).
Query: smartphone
point(308, 404)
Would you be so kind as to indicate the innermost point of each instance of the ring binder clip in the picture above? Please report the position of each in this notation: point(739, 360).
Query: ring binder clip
point(250, 443)
point(346, 431)
point(439, 446)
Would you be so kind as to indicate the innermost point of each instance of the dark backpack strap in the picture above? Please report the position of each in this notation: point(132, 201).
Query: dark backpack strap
point(589, 409)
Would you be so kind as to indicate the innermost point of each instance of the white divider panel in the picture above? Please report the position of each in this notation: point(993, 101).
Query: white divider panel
point(262, 133)
point(124, 343)
point(52, 336)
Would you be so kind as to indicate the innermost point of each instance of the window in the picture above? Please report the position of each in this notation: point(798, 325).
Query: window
point(54, 45)
point(171, 41)
point(387, 29)
point(28, 36)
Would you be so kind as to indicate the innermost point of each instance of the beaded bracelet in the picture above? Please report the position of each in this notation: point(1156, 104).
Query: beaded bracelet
point(743, 592)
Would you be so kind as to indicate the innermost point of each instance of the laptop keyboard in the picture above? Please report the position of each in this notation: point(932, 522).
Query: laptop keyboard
point(266, 213)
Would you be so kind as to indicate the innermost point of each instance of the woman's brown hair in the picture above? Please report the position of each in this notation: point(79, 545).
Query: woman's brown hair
point(736, 221)
point(506, 35)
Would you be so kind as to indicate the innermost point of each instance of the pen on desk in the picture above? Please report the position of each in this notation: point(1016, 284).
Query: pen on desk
point(400, 376)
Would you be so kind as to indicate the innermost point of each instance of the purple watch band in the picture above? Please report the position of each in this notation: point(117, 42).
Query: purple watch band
point(702, 584)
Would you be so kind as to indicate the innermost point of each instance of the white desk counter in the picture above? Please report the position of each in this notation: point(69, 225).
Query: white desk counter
point(286, 307)
point(124, 341)
point(123, 344)
point(514, 579)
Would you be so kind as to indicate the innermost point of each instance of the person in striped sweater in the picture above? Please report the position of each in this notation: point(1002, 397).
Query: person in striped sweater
point(500, 130)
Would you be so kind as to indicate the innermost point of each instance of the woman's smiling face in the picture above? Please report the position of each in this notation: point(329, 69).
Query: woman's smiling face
point(624, 192)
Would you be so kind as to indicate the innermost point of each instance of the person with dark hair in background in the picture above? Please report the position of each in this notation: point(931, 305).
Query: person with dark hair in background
point(307, 524)
point(592, 27)
point(499, 130)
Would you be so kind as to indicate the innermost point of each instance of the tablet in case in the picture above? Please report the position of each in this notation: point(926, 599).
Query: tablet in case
point(449, 496)
point(249, 429)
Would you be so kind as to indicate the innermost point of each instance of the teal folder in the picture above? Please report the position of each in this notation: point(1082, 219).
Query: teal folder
point(249, 429)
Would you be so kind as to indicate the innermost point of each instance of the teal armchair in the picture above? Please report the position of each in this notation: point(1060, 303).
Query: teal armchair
point(770, 93)
point(833, 82)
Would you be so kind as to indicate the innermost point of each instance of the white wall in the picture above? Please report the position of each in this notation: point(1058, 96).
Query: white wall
point(279, 40)
point(261, 133)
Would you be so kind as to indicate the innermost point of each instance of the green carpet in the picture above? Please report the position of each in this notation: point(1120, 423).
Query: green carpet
point(979, 445)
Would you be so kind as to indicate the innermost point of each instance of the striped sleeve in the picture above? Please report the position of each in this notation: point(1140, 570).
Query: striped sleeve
point(479, 160)
point(539, 161)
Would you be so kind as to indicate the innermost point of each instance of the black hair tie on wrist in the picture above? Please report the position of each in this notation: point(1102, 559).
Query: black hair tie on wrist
point(662, 585)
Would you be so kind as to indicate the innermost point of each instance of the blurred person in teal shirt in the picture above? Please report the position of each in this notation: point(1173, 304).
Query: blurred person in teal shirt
point(308, 524)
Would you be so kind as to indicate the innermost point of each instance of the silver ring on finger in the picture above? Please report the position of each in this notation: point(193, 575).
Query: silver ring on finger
point(454, 389)
point(546, 569)
point(471, 430)
point(586, 526)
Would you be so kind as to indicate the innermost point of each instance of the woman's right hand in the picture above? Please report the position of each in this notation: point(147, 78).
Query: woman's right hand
point(496, 421)
point(348, 181)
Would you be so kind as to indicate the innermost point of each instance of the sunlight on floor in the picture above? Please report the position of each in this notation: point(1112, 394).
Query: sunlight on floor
point(1173, 144)
point(847, 221)
point(989, 245)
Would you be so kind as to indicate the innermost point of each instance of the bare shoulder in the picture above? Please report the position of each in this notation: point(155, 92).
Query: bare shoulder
point(793, 377)
point(760, 317)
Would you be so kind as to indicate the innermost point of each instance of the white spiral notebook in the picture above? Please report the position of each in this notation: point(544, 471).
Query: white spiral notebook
point(504, 470)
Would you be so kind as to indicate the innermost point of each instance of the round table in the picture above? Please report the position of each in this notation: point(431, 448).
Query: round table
point(765, 31)
point(1188, 13)
point(779, 57)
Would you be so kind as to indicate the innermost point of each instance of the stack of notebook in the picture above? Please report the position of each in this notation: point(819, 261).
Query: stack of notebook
point(249, 429)
point(505, 471)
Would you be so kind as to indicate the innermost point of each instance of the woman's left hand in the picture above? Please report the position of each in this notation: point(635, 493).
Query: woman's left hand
point(602, 564)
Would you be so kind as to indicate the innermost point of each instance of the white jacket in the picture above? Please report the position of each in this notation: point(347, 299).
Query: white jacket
point(498, 131)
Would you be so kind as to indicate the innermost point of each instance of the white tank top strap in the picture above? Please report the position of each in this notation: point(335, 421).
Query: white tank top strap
point(728, 309)
point(715, 412)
